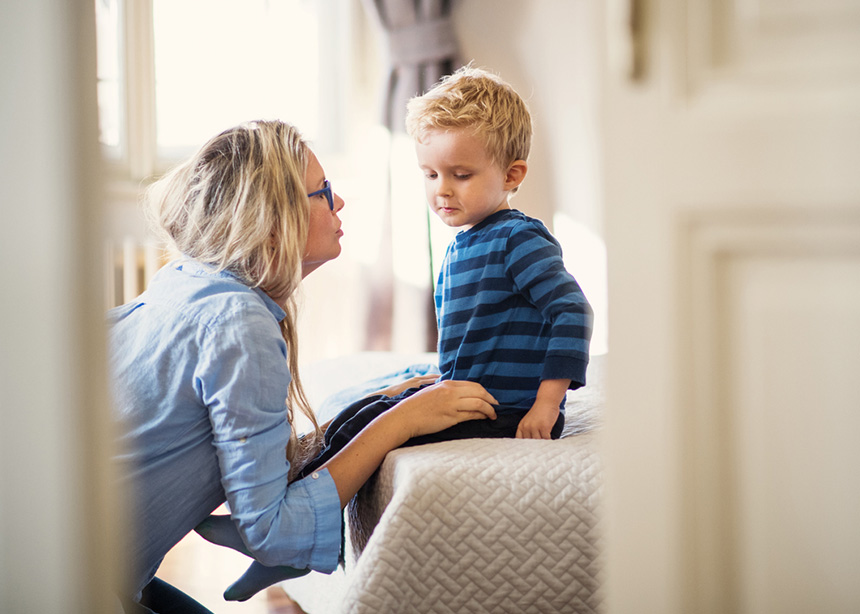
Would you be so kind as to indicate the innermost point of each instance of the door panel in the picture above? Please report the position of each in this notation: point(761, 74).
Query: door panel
point(732, 202)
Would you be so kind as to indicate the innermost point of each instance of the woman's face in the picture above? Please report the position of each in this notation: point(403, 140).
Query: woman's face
point(324, 231)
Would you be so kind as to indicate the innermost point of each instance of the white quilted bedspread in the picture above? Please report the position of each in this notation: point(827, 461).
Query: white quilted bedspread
point(481, 525)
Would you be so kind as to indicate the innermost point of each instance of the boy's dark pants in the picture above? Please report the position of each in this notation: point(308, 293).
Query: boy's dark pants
point(358, 415)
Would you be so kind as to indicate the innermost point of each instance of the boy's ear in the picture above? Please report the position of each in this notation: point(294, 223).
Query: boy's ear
point(516, 173)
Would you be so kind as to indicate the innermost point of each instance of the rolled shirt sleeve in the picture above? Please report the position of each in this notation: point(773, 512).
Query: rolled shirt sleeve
point(297, 525)
point(244, 384)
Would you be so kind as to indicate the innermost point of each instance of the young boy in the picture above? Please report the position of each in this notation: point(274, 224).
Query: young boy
point(510, 316)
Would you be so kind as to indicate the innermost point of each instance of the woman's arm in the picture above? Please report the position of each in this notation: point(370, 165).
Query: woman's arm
point(432, 409)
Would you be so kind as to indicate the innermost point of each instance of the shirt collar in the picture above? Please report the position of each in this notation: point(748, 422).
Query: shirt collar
point(270, 303)
point(490, 219)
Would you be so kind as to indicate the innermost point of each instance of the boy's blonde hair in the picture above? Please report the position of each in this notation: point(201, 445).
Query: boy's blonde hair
point(479, 100)
point(240, 204)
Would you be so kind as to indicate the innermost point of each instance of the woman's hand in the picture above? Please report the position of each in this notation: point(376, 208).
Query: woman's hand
point(427, 411)
point(412, 382)
point(443, 405)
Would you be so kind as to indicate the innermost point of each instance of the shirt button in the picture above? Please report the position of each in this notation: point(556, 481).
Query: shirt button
point(315, 475)
point(243, 439)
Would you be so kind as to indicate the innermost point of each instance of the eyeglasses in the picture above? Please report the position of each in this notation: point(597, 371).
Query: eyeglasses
point(329, 196)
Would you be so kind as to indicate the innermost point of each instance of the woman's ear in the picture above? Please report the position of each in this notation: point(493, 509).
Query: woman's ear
point(515, 174)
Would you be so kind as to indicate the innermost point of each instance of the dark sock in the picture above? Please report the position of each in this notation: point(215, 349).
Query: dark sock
point(257, 577)
point(219, 529)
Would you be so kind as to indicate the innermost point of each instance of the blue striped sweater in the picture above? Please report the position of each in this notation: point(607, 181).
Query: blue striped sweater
point(509, 313)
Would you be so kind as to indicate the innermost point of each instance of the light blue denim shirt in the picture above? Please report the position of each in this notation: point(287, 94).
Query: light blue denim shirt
point(200, 386)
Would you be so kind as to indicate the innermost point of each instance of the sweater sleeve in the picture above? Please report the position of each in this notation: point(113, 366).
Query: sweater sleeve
point(534, 262)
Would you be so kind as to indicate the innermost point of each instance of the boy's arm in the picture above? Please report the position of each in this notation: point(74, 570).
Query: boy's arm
point(533, 260)
point(540, 419)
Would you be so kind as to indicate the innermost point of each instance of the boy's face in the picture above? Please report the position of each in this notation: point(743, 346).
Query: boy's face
point(462, 182)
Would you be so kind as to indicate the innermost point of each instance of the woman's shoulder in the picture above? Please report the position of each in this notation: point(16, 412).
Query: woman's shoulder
point(210, 297)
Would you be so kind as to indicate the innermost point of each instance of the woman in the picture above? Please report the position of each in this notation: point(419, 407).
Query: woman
point(204, 366)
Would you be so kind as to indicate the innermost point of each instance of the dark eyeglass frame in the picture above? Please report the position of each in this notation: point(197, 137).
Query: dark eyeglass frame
point(329, 195)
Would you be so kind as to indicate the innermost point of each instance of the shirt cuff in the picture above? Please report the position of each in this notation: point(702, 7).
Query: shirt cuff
point(565, 367)
point(327, 534)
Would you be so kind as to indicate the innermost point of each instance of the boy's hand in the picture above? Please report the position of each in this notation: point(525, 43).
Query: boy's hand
point(538, 422)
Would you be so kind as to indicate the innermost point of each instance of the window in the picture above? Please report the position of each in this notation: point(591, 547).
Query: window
point(173, 73)
point(257, 62)
point(109, 76)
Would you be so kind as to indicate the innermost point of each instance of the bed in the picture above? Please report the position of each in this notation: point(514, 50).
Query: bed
point(467, 526)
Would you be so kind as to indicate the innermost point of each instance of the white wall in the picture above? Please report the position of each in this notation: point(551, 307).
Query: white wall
point(545, 50)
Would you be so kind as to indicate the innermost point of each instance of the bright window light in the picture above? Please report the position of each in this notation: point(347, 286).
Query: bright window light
point(584, 255)
point(109, 75)
point(221, 62)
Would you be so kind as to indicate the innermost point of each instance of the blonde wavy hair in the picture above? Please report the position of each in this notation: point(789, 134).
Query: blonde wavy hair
point(480, 100)
point(240, 204)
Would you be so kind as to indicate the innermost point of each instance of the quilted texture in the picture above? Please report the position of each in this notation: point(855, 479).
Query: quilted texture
point(480, 526)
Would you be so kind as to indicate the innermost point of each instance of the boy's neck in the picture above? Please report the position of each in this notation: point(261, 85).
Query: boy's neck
point(503, 207)
point(467, 227)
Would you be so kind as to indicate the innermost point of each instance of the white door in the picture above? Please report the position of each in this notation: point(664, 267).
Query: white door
point(731, 134)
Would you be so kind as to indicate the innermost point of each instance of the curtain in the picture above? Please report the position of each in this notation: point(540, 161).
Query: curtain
point(421, 48)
